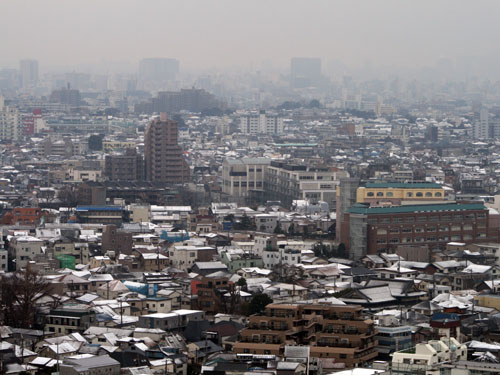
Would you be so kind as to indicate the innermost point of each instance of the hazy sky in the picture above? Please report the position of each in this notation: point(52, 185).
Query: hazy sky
point(221, 33)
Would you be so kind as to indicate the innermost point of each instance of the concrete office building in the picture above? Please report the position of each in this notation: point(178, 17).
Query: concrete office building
point(242, 176)
point(285, 182)
point(164, 157)
point(261, 123)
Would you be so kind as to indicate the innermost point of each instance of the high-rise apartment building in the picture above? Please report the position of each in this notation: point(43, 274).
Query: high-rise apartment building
point(305, 72)
point(163, 156)
point(29, 72)
point(261, 123)
point(10, 122)
point(481, 125)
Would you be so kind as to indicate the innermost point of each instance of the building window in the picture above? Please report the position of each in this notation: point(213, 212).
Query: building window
point(419, 194)
point(428, 194)
point(409, 194)
point(389, 194)
point(380, 194)
point(370, 194)
point(438, 194)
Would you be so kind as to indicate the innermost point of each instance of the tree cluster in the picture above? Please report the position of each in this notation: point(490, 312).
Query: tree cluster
point(21, 293)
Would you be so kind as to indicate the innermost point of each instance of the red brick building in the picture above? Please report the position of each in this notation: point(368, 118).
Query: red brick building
point(372, 230)
point(22, 215)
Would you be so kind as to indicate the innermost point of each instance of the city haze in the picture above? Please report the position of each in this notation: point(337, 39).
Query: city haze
point(115, 35)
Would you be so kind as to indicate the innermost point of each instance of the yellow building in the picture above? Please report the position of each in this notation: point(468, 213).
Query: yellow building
point(488, 300)
point(397, 192)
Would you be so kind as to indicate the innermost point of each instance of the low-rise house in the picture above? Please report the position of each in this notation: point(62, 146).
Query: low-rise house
point(95, 365)
point(70, 318)
point(428, 356)
point(174, 320)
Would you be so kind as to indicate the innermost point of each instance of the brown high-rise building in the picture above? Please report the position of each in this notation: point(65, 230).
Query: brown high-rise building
point(163, 156)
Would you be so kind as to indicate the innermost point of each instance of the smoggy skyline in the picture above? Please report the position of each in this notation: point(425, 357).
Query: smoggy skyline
point(250, 34)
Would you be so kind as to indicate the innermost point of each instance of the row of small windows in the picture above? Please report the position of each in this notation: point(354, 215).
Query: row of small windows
point(396, 240)
point(419, 194)
point(425, 218)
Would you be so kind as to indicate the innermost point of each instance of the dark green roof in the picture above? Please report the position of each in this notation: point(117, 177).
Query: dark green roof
point(401, 185)
point(363, 209)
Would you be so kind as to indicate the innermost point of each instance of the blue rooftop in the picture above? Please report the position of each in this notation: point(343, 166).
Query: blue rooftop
point(99, 208)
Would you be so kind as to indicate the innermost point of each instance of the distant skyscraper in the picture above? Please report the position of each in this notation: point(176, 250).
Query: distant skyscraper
point(10, 122)
point(29, 72)
point(305, 72)
point(481, 125)
point(158, 69)
point(163, 156)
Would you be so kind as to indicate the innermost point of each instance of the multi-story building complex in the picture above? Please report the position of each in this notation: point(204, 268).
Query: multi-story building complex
point(55, 146)
point(372, 230)
point(194, 100)
point(164, 158)
point(285, 182)
point(66, 96)
point(261, 123)
point(10, 122)
point(32, 123)
point(244, 177)
point(333, 332)
point(125, 167)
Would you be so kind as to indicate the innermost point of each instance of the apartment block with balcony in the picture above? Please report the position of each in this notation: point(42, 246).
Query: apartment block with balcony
point(335, 332)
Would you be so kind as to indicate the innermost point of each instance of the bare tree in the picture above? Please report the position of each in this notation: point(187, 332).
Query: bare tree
point(20, 293)
point(68, 196)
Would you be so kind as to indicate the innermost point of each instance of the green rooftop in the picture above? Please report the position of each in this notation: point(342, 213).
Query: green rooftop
point(403, 185)
point(359, 208)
